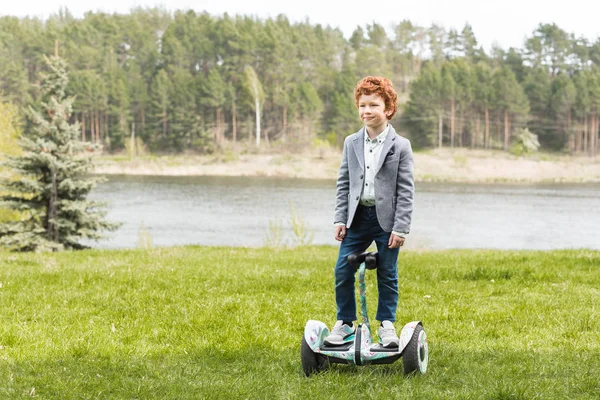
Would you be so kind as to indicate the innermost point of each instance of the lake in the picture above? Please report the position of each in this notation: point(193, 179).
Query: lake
point(237, 211)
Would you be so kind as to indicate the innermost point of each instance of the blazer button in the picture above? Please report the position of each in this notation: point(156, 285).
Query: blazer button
point(361, 177)
point(357, 197)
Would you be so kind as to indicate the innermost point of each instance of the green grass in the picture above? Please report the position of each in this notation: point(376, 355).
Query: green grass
point(197, 322)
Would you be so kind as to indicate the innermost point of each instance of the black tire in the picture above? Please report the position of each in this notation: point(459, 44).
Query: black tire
point(311, 361)
point(415, 357)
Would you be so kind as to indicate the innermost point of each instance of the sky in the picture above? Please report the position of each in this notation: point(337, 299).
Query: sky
point(503, 22)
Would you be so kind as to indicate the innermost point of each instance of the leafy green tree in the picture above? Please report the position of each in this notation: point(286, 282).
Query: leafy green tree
point(119, 107)
point(437, 36)
point(160, 95)
point(357, 40)
point(116, 62)
point(400, 55)
point(594, 88)
point(183, 129)
point(483, 87)
point(371, 60)
point(424, 113)
point(562, 99)
point(311, 106)
point(377, 36)
point(510, 101)
point(537, 86)
point(579, 58)
point(468, 43)
point(452, 46)
point(13, 77)
point(549, 47)
point(280, 80)
point(340, 106)
point(514, 60)
point(463, 95)
point(254, 90)
point(449, 94)
point(52, 192)
point(587, 105)
point(10, 131)
point(594, 52)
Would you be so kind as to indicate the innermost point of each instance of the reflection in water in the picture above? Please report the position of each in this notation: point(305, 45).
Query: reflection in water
point(228, 211)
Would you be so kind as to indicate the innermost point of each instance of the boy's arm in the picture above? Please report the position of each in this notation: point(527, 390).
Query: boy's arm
point(405, 190)
point(343, 188)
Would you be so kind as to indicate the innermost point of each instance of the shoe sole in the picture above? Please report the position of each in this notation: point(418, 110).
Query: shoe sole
point(345, 340)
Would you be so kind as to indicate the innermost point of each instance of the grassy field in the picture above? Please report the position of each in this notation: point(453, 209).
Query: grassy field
point(204, 323)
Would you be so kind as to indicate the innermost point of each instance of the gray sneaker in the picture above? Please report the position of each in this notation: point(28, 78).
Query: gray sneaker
point(340, 334)
point(387, 335)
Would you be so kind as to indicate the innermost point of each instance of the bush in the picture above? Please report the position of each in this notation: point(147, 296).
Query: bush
point(525, 142)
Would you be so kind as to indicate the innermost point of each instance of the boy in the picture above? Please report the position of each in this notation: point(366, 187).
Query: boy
point(374, 202)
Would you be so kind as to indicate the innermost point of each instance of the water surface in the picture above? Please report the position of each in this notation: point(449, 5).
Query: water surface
point(236, 211)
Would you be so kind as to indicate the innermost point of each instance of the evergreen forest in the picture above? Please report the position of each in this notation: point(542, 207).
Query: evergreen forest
point(190, 81)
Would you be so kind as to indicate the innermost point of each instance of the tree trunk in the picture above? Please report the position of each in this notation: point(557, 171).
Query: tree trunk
point(284, 123)
point(164, 122)
point(452, 122)
point(569, 137)
point(595, 152)
point(132, 143)
point(101, 127)
point(257, 104)
point(218, 126)
point(586, 126)
point(576, 136)
point(590, 149)
point(266, 135)
point(592, 135)
point(83, 127)
point(92, 130)
point(477, 135)
point(106, 129)
point(234, 122)
point(498, 128)
point(98, 133)
point(143, 121)
point(224, 127)
point(487, 128)
point(506, 130)
point(461, 127)
point(596, 137)
point(440, 130)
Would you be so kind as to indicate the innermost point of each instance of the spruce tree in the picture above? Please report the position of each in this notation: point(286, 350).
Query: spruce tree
point(51, 194)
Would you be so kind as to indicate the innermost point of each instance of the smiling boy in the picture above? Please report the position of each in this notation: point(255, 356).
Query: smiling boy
point(374, 202)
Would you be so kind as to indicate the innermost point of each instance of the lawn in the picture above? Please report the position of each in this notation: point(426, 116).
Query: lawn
point(226, 323)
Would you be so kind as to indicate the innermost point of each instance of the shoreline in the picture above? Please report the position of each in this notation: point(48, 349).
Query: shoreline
point(438, 165)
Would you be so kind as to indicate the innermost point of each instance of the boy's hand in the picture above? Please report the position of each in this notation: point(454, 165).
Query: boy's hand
point(395, 241)
point(340, 233)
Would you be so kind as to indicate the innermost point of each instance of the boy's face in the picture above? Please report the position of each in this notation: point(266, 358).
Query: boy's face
point(372, 112)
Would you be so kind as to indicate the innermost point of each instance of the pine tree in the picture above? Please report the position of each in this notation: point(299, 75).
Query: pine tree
point(51, 194)
point(424, 112)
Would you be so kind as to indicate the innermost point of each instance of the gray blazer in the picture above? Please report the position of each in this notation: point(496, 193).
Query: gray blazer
point(394, 182)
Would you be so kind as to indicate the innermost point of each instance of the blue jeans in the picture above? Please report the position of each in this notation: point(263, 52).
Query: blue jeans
point(366, 229)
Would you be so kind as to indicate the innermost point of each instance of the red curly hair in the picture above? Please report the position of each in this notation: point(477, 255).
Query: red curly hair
point(382, 87)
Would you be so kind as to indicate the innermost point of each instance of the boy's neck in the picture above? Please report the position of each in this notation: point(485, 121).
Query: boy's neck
point(374, 132)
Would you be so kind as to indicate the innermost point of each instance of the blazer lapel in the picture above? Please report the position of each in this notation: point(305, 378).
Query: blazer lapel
point(359, 148)
point(387, 146)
